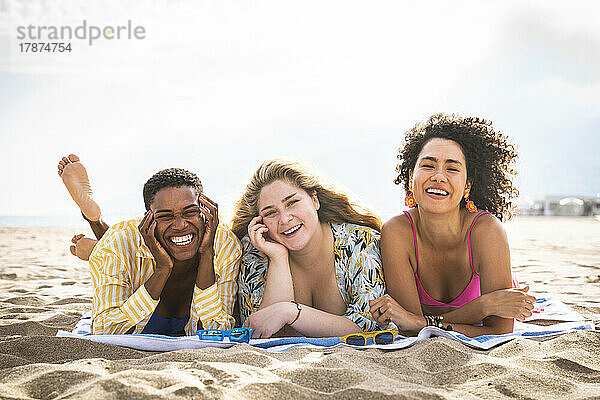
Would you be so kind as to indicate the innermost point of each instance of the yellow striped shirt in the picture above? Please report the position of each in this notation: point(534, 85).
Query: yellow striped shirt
point(120, 265)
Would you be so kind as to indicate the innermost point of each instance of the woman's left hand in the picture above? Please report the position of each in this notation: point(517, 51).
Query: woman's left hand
point(210, 210)
point(509, 303)
point(269, 320)
point(385, 310)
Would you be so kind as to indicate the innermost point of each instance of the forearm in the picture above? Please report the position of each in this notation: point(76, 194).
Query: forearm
point(499, 304)
point(123, 313)
point(203, 305)
point(470, 313)
point(491, 326)
point(111, 322)
point(317, 323)
point(213, 308)
point(279, 285)
point(205, 277)
point(155, 284)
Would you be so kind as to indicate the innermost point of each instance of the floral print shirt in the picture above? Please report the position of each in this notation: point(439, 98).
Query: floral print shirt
point(358, 273)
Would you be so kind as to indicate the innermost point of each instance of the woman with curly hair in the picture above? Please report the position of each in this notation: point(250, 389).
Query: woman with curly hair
point(446, 260)
point(311, 259)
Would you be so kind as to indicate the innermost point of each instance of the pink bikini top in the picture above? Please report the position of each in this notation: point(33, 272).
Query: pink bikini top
point(471, 292)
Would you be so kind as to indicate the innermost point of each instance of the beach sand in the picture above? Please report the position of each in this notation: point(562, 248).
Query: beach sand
point(43, 288)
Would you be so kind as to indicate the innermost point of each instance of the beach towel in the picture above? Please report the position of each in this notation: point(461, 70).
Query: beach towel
point(545, 309)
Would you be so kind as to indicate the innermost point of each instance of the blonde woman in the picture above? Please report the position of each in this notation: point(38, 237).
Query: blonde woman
point(311, 259)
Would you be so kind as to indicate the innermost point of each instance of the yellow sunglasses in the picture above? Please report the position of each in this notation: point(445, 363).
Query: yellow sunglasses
point(378, 337)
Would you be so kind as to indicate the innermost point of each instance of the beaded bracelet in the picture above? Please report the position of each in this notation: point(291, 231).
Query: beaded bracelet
point(298, 315)
point(436, 320)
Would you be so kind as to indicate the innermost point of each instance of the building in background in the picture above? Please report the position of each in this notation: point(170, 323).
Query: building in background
point(569, 206)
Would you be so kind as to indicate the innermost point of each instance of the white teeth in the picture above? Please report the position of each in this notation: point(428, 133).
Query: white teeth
point(437, 191)
point(292, 230)
point(182, 240)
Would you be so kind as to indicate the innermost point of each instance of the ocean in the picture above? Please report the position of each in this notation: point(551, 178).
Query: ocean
point(54, 220)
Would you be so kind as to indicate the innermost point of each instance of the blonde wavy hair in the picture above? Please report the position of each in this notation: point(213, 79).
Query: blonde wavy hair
point(334, 206)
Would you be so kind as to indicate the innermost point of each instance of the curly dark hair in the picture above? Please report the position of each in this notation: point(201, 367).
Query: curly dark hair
point(171, 177)
point(488, 154)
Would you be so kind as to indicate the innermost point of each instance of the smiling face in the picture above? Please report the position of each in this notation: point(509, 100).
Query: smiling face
point(439, 179)
point(290, 214)
point(179, 222)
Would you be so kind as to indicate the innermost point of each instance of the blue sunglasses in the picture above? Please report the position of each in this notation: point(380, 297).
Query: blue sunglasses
point(238, 335)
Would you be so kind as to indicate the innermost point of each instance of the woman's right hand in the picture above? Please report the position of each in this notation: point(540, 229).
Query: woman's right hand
point(385, 309)
point(256, 232)
point(161, 257)
point(509, 303)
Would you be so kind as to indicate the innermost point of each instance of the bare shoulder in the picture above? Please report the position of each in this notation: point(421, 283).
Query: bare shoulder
point(397, 238)
point(491, 253)
point(397, 245)
point(488, 230)
point(397, 228)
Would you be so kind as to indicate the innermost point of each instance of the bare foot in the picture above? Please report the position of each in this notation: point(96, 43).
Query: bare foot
point(76, 180)
point(82, 246)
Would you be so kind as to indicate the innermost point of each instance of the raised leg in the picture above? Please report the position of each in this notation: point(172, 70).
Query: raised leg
point(74, 176)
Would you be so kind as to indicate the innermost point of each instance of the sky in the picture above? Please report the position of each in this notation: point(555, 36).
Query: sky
point(217, 87)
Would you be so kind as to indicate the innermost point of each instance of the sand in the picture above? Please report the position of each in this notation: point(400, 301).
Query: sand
point(43, 288)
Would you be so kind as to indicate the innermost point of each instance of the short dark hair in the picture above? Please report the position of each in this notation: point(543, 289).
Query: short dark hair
point(171, 177)
point(488, 153)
